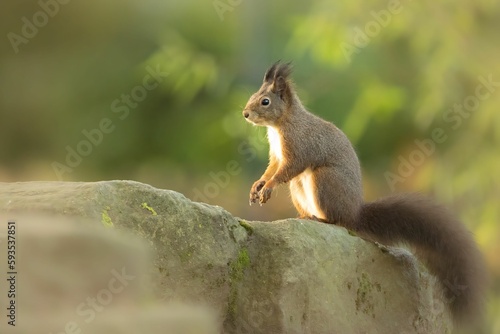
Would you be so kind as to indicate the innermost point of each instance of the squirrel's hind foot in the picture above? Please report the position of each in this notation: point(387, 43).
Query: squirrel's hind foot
point(321, 220)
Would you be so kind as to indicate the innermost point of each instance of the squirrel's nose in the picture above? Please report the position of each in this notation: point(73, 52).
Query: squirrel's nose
point(246, 114)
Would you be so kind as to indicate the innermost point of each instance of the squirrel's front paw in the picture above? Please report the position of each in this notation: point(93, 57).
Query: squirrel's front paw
point(255, 191)
point(265, 192)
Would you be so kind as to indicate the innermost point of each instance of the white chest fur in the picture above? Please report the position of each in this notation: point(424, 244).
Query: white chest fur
point(275, 142)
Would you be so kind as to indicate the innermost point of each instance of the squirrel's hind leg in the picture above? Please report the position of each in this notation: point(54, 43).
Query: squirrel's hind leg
point(338, 197)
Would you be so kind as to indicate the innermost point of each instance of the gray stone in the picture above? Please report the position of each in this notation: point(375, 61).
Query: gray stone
point(68, 278)
point(288, 276)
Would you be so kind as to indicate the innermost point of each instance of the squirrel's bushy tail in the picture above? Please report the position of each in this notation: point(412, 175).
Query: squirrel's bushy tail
point(440, 240)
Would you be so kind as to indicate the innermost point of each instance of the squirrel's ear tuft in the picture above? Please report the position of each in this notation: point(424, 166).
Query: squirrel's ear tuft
point(280, 83)
point(276, 70)
point(269, 76)
point(283, 70)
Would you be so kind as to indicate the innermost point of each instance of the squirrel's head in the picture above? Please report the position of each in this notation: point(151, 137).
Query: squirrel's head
point(268, 105)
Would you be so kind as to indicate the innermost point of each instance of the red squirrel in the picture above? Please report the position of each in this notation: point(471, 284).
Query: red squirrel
point(319, 162)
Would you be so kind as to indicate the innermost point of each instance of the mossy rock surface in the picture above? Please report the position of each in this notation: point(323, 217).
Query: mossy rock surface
point(288, 276)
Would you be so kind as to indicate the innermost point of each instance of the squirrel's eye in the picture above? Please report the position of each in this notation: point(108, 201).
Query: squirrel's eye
point(265, 102)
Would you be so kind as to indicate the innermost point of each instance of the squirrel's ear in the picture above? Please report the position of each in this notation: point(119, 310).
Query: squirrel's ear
point(281, 88)
point(282, 70)
point(281, 83)
point(270, 73)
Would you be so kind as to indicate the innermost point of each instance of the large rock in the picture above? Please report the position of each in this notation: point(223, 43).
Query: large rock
point(289, 276)
point(66, 278)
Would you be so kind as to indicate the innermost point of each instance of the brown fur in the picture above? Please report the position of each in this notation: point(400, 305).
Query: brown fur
point(319, 162)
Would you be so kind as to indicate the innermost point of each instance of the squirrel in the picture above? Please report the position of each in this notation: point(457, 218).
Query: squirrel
point(319, 162)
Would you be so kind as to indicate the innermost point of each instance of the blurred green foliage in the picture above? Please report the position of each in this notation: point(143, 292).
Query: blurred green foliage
point(387, 72)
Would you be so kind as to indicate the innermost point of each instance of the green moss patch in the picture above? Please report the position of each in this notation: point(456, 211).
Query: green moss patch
point(150, 209)
point(364, 297)
point(105, 218)
point(236, 273)
point(239, 266)
point(246, 225)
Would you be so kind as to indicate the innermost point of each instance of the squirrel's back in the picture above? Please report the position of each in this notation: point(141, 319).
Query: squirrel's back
point(321, 143)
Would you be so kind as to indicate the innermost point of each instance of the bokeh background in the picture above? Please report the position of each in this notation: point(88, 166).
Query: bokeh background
point(389, 73)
